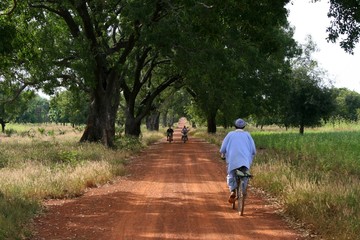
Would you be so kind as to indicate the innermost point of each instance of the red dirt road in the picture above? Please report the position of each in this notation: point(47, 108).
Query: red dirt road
point(172, 191)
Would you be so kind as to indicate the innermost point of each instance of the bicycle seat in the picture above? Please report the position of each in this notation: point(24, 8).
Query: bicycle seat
point(243, 172)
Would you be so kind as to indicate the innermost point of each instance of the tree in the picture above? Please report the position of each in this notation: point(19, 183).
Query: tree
point(168, 108)
point(69, 107)
point(347, 104)
point(36, 112)
point(239, 58)
point(10, 109)
point(137, 49)
point(86, 45)
point(118, 41)
point(174, 103)
point(309, 101)
point(142, 87)
point(345, 23)
point(15, 82)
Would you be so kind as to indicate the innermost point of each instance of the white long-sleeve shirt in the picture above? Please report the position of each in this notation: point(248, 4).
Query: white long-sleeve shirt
point(239, 149)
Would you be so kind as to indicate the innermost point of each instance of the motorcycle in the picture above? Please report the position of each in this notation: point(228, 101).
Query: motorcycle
point(169, 138)
point(184, 137)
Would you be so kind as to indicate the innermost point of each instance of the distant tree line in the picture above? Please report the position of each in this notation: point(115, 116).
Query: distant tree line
point(65, 108)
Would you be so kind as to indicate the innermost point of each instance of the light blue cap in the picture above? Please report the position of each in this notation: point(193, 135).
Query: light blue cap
point(240, 123)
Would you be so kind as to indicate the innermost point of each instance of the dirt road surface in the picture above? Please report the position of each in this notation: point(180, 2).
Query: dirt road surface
point(172, 191)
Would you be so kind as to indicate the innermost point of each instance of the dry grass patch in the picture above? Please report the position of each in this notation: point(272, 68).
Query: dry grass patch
point(39, 162)
point(36, 181)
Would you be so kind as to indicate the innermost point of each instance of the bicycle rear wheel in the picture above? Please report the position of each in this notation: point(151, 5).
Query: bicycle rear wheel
point(236, 195)
point(241, 196)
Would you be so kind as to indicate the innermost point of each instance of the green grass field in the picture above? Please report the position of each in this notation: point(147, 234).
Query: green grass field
point(315, 176)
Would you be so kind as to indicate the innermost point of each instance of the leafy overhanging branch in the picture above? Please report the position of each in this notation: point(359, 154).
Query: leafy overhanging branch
point(10, 10)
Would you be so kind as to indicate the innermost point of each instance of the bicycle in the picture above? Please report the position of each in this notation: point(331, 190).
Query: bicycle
point(242, 177)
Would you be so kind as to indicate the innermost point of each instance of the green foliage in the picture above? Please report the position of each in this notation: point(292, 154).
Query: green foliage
point(51, 133)
point(16, 46)
point(345, 24)
point(36, 112)
point(41, 131)
point(144, 48)
point(10, 107)
point(232, 57)
point(237, 78)
point(69, 107)
point(68, 157)
point(347, 105)
point(176, 103)
point(309, 100)
point(7, 36)
point(10, 132)
point(129, 143)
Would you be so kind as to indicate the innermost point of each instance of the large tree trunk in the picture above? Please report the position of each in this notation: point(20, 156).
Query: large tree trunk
point(2, 123)
point(152, 121)
point(211, 123)
point(100, 125)
point(102, 114)
point(164, 118)
point(132, 126)
point(301, 129)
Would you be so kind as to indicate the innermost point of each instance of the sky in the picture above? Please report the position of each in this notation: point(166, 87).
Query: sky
point(311, 19)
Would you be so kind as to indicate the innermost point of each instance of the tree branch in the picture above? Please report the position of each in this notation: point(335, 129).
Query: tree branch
point(16, 94)
point(148, 100)
point(12, 9)
point(64, 14)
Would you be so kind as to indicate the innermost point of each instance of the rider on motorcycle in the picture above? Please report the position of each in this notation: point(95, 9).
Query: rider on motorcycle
point(169, 133)
point(184, 132)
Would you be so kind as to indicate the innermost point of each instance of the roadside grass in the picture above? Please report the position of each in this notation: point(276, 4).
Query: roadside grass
point(51, 163)
point(315, 176)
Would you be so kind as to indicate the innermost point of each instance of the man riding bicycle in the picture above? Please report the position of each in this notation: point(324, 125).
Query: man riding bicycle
point(238, 148)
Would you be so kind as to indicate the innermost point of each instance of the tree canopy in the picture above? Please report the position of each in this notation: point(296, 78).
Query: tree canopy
point(134, 50)
point(345, 23)
point(232, 57)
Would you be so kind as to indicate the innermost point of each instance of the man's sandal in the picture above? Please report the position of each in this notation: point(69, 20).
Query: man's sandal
point(232, 197)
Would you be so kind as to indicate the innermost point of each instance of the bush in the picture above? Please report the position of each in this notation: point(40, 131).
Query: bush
point(10, 132)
